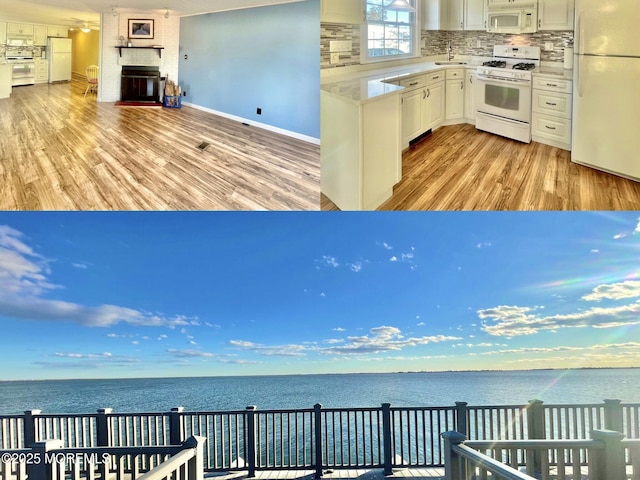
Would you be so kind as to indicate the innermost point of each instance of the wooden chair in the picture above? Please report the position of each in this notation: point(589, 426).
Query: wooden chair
point(92, 79)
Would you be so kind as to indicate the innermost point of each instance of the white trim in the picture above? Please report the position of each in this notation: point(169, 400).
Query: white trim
point(264, 126)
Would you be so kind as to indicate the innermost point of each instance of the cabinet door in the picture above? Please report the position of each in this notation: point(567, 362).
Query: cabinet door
point(435, 99)
point(413, 115)
point(40, 35)
point(555, 14)
point(456, 15)
point(454, 99)
point(469, 95)
point(341, 11)
point(474, 15)
point(435, 14)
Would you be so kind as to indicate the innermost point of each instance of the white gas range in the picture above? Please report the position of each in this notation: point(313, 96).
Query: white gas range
point(24, 67)
point(504, 92)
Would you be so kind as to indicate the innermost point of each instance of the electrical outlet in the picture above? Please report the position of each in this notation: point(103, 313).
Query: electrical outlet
point(335, 58)
point(184, 94)
point(259, 111)
point(548, 46)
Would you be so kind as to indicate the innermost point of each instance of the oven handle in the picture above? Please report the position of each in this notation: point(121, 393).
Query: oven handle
point(500, 79)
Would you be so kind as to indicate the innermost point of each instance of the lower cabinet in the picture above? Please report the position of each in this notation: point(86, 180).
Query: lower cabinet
point(455, 94)
point(42, 71)
point(470, 95)
point(435, 99)
point(414, 113)
point(551, 102)
point(423, 104)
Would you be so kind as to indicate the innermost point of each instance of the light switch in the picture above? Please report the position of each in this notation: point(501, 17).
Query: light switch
point(335, 58)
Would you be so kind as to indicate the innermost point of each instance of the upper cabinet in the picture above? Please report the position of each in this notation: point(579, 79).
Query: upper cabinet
point(341, 11)
point(555, 14)
point(475, 15)
point(19, 29)
point(435, 14)
point(53, 31)
point(3, 33)
point(39, 35)
point(456, 15)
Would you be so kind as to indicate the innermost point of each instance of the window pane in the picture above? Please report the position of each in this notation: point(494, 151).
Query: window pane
point(390, 31)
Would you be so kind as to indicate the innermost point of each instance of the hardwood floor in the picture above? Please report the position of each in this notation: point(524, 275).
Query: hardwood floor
point(61, 151)
point(461, 168)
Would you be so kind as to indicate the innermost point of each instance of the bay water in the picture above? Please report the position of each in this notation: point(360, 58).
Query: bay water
point(335, 390)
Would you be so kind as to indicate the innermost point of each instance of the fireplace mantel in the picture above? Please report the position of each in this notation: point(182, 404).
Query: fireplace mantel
point(159, 49)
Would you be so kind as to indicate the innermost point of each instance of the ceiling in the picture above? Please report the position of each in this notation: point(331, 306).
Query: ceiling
point(72, 13)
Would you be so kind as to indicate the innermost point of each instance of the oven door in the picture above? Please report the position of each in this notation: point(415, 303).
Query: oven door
point(504, 98)
point(24, 74)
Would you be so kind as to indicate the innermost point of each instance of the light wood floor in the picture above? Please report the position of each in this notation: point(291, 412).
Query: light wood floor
point(338, 474)
point(61, 151)
point(461, 168)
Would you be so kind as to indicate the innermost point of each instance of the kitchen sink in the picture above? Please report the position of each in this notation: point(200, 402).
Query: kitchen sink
point(451, 63)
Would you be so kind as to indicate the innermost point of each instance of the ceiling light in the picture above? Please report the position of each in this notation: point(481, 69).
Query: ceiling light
point(166, 14)
point(401, 5)
point(86, 29)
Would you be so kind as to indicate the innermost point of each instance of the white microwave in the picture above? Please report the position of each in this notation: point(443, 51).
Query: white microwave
point(516, 18)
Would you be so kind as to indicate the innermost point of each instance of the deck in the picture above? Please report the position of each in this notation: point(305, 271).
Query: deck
point(341, 474)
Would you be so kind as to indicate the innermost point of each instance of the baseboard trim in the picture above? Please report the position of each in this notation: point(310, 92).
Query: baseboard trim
point(264, 126)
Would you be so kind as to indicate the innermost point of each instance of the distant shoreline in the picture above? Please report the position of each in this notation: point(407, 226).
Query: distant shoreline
point(408, 372)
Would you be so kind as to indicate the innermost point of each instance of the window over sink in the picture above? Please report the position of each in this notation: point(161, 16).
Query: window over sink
point(391, 31)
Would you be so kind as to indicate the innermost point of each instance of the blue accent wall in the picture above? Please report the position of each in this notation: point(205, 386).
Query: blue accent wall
point(267, 57)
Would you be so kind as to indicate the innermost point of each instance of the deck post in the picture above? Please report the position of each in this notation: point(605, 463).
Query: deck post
point(461, 420)
point(31, 434)
point(175, 426)
point(536, 431)
point(317, 435)
point(613, 415)
point(102, 427)
point(43, 469)
point(454, 468)
point(387, 455)
point(251, 439)
point(610, 461)
point(195, 467)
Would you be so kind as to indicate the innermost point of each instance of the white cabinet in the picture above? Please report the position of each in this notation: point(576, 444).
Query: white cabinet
point(39, 35)
point(361, 155)
point(42, 71)
point(551, 100)
point(54, 31)
point(555, 14)
point(435, 14)
point(342, 11)
point(19, 29)
point(470, 95)
point(6, 74)
point(414, 108)
point(474, 15)
point(453, 14)
point(435, 99)
point(454, 100)
point(3, 33)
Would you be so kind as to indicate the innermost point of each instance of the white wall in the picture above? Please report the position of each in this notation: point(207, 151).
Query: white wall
point(166, 34)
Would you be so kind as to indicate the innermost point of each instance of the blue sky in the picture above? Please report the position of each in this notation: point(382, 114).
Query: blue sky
point(103, 295)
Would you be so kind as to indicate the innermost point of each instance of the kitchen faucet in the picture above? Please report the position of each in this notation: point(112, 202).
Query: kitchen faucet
point(450, 48)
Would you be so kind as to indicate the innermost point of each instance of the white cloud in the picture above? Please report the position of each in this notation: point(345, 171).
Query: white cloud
point(615, 291)
point(484, 245)
point(24, 281)
point(355, 267)
point(339, 329)
point(511, 321)
point(83, 355)
point(271, 351)
point(329, 261)
point(595, 250)
point(421, 324)
point(386, 246)
point(393, 259)
point(81, 266)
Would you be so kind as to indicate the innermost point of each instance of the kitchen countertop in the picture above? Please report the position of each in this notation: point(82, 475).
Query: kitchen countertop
point(365, 86)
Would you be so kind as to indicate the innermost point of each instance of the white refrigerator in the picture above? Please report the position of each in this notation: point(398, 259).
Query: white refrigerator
point(59, 55)
point(606, 101)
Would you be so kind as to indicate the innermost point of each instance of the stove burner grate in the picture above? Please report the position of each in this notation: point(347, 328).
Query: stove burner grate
point(524, 66)
point(495, 64)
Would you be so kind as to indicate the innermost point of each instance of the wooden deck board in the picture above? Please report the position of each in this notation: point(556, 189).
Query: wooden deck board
point(337, 474)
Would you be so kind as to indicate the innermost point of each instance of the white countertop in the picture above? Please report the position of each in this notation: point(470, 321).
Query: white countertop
point(365, 86)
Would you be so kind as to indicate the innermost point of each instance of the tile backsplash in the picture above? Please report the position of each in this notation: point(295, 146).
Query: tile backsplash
point(435, 43)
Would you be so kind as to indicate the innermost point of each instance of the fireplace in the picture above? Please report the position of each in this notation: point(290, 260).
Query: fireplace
point(140, 84)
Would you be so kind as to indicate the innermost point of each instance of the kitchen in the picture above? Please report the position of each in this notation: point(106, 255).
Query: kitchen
point(388, 129)
point(32, 54)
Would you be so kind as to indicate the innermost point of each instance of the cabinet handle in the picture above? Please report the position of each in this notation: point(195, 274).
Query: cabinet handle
point(551, 104)
point(435, 78)
point(413, 84)
point(549, 128)
point(461, 26)
point(428, 93)
point(470, 79)
point(551, 84)
point(461, 85)
point(539, 23)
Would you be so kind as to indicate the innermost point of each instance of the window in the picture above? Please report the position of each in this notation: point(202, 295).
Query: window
point(390, 32)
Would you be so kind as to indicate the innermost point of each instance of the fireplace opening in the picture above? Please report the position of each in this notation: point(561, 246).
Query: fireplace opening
point(140, 84)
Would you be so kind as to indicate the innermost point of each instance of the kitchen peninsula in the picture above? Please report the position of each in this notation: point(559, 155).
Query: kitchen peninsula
point(362, 129)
